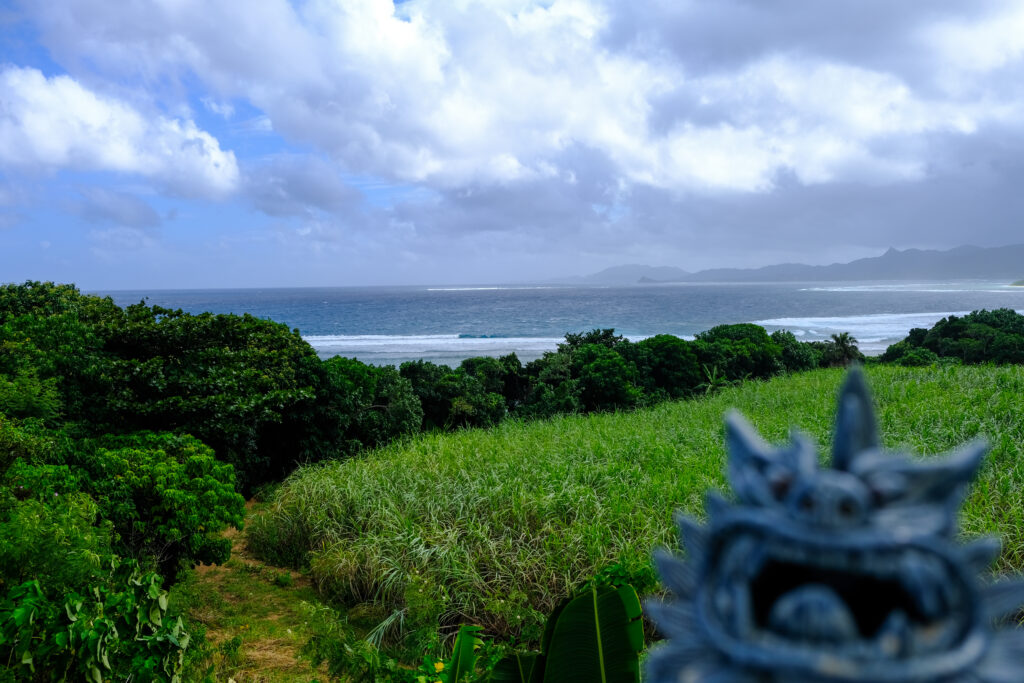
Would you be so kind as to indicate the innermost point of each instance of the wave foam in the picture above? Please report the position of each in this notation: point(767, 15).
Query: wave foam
point(446, 348)
point(933, 287)
point(874, 333)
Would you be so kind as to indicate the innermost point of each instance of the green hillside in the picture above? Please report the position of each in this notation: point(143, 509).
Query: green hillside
point(494, 527)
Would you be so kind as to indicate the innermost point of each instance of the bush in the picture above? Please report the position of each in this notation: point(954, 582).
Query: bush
point(452, 398)
point(166, 496)
point(251, 389)
point(978, 337)
point(375, 404)
point(743, 351)
point(606, 381)
point(115, 628)
point(796, 355)
point(668, 364)
point(553, 389)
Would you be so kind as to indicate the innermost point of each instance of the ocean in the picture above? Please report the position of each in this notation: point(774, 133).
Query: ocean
point(390, 325)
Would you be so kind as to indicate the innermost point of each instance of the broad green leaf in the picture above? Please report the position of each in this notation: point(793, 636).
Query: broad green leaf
point(519, 668)
point(597, 636)
point(463, 658)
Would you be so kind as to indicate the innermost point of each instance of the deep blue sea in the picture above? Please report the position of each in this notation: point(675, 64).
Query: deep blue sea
point(389, 325)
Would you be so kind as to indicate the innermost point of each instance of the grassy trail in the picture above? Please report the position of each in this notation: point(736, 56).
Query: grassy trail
point(254, 615)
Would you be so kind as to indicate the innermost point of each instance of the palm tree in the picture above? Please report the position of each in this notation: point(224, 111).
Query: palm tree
point(846, 347)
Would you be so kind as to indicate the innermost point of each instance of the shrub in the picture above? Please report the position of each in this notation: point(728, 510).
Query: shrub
point(978, 337)
point(116, 627)
point(376, 404)
point(166, 495)
point(740, 351)
point(606, 381)
point(668, 364)
point(796, 355)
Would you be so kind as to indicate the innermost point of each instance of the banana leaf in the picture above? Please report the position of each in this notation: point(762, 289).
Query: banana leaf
point(463, 660)
point(595, 638)
point(519, 668)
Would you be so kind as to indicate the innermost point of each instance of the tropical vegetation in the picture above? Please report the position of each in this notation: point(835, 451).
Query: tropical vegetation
point(130, 437)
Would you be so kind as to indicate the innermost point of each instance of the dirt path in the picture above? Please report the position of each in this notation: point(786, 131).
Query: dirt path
point(254, 615)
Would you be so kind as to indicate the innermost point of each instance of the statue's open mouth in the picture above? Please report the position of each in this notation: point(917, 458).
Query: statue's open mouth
point(835, 596)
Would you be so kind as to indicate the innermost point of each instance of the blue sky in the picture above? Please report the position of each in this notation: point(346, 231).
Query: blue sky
point(159, 144)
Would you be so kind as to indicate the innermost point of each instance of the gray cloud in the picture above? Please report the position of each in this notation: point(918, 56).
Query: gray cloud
point(104, 206)
point(725, 35)
point(292, 185)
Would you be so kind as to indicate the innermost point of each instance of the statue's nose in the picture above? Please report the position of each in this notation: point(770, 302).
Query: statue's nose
point(831, 501)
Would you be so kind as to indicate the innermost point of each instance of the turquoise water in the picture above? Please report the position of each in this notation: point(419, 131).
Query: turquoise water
point(389, 325)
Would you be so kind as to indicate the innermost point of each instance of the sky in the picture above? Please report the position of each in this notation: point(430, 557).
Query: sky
point(215, 143)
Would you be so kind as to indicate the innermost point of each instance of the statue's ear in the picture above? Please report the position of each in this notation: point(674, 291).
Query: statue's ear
point(760, 474)
point(942, 480)
point(856, 429)
point(921, 495)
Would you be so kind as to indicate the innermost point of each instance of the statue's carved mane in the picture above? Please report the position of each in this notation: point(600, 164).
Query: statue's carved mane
point(846, 573)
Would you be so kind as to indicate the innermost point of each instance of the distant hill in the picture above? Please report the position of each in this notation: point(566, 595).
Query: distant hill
point(631, 274)
point(961, 263)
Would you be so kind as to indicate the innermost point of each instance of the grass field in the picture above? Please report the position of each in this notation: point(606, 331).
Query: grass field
point(494, 527)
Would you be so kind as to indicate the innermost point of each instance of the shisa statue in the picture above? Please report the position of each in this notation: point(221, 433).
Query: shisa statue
point(850, 573)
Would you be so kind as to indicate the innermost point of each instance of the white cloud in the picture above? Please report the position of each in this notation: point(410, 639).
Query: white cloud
point(447, 93)
point(55, 123)
point(526, 118)
point(223, 109)
point(982, 45)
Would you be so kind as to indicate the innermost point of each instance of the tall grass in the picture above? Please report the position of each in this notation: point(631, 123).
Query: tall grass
point(494, 527)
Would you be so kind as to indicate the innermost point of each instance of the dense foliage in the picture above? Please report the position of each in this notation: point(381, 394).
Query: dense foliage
point(78, 545)
point(128, 434)
point(978, 337)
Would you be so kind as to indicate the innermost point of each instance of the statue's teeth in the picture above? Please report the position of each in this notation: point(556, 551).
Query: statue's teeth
point(925, 582)
point(732, 603)
point(894, 639)
point(815, 614)
point(736, 559)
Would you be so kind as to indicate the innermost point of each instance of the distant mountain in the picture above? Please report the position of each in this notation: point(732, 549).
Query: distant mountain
point(631, 274)
point(961, 263)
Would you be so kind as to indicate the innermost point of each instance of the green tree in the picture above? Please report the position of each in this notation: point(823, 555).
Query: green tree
point(796, 355)
point(552, 388)
point(375, 404)
point(602, 337)
point(846, 350)
point(739, 351)
point(668, 365)
point(252, 389)
point(606, 380)
point(166, 496)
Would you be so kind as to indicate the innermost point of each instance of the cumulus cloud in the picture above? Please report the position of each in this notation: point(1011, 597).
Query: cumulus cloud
point(56, 123)
point(683, 95)
point(670, 128)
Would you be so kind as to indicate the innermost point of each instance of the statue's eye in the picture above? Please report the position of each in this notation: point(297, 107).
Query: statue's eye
point(878, 497)
point(780, 487)
point(847, 508)
point(807, 503)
